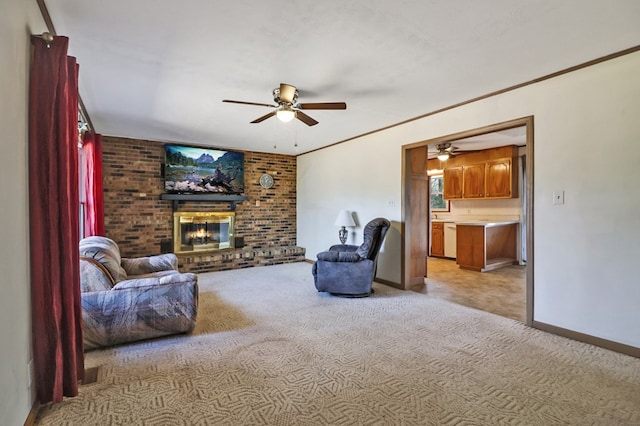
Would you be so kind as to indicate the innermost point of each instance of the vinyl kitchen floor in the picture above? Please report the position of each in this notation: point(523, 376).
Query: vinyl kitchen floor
point(501, 291)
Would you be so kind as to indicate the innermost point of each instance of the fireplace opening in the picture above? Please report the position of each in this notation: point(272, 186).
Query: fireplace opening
point(202, 231)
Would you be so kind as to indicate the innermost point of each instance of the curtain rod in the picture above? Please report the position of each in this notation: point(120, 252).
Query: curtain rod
point(52, 32)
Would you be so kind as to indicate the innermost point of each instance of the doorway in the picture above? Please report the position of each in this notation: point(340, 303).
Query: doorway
point(418, 216)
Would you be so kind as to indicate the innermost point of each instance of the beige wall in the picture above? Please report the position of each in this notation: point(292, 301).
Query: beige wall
point(18, 19)
point(585, 250)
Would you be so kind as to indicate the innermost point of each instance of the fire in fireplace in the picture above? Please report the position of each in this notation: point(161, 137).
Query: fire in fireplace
point(202, 231)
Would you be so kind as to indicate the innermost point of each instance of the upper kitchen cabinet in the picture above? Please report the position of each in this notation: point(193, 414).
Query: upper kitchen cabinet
point(490, 173)
point(473, 180)
point(452, 180)
point(500, 180)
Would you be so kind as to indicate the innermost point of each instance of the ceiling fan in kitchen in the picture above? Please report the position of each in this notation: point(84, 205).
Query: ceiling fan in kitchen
point(286, 106)
point(444, 151)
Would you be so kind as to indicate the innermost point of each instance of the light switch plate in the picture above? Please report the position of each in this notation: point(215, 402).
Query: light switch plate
point(558, 197)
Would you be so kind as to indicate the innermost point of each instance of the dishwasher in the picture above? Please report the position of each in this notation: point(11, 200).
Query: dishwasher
point(450, 240)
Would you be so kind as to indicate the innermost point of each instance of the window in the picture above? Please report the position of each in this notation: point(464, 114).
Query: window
point(81, 190)
point(437, 202)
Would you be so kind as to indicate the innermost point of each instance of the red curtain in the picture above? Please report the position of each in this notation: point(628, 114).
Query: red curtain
point(53, 213)
point(94, 198)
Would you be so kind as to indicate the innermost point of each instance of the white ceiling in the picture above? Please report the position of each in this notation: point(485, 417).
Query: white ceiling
point(159, 70)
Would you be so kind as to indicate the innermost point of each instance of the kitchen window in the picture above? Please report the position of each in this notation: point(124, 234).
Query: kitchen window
point(437, 203)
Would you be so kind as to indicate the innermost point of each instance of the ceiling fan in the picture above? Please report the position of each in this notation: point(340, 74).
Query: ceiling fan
point(287, 107)
point(445, 150)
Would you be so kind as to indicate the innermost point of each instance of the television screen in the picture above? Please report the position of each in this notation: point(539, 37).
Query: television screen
point(193, 170)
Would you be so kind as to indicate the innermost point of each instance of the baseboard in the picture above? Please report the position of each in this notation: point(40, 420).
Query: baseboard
point(389, 283)
point(586, 338)
point(92, 375)
point(33, 413)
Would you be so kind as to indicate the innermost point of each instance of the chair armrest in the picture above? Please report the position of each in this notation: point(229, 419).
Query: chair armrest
point(146, 265)
point(343, 247)
point(339, 256)
point(171, 279)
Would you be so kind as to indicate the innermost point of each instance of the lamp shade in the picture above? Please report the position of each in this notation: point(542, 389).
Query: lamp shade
point(345, 219)
point(443, 156)
point(285, 114)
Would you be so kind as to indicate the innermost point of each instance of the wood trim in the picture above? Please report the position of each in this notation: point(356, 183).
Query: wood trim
point(527, 121)
point(33, 413)
point(387, 282)
point(529, 170)
point(505, 125)
point(414, 201)
point(586, 338)
point(490, 94)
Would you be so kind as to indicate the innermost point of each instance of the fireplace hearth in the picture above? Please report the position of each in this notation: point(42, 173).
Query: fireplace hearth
point(202, 231)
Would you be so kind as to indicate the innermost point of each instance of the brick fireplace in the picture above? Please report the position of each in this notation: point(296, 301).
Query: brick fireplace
point(202, 231)
point(142, 223)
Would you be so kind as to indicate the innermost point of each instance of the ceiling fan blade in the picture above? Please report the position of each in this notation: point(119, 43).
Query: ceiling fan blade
point(287, 92)
point(323, 105)
point(248, 103)
point(264, 117)
point(305, 118)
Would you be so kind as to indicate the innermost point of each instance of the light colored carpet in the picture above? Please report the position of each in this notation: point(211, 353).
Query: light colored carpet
point(269, 350)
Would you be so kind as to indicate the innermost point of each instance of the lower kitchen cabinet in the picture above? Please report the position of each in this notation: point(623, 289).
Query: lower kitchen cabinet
point(486, 246)
point(437, 239)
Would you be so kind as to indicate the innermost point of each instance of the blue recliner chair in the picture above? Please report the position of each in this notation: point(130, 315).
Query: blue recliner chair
point(348, 270)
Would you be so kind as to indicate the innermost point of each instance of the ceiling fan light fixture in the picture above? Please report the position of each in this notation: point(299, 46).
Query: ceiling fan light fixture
point(285, 113)
point(443, 156)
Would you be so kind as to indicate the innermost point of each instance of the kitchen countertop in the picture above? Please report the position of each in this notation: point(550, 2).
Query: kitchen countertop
point(487, 224)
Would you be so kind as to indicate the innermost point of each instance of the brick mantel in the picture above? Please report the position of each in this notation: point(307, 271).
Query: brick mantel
point(177, 198)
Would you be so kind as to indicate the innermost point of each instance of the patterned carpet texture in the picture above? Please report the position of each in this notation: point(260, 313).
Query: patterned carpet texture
point(270, 350)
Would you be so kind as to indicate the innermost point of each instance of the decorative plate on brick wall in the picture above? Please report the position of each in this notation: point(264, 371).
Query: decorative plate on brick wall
point(266, 181)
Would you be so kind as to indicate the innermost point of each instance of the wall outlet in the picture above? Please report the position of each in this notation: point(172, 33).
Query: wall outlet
point(391, 203)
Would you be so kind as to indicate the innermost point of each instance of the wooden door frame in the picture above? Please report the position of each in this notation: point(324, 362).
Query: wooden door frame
point(408, 223)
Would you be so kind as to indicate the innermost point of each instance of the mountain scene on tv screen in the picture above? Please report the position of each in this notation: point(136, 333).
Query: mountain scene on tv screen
point(201, 170)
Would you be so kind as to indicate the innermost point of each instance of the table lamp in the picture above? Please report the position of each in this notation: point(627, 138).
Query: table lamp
point(343, 220)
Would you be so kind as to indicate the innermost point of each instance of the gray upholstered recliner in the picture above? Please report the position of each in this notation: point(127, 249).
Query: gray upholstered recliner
point(349, 270)
point(124, 300)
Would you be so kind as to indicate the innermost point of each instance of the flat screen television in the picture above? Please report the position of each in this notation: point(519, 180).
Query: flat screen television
point(197, 170)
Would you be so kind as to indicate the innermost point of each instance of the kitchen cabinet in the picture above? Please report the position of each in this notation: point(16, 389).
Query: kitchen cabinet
point(485, 174)
point(473, 181)
point(452, 179)
point(500, 181)
point(486, 246)
point(437, 239)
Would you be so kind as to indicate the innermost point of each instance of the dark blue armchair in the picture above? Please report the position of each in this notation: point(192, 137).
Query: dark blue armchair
point(349, 270)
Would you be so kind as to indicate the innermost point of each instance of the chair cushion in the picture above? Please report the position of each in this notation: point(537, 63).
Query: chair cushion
point(94, 276)
point(371, 234)
point(105, 251)
point(339, 256)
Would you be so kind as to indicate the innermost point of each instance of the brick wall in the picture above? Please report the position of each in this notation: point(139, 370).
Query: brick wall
point(139, 221)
